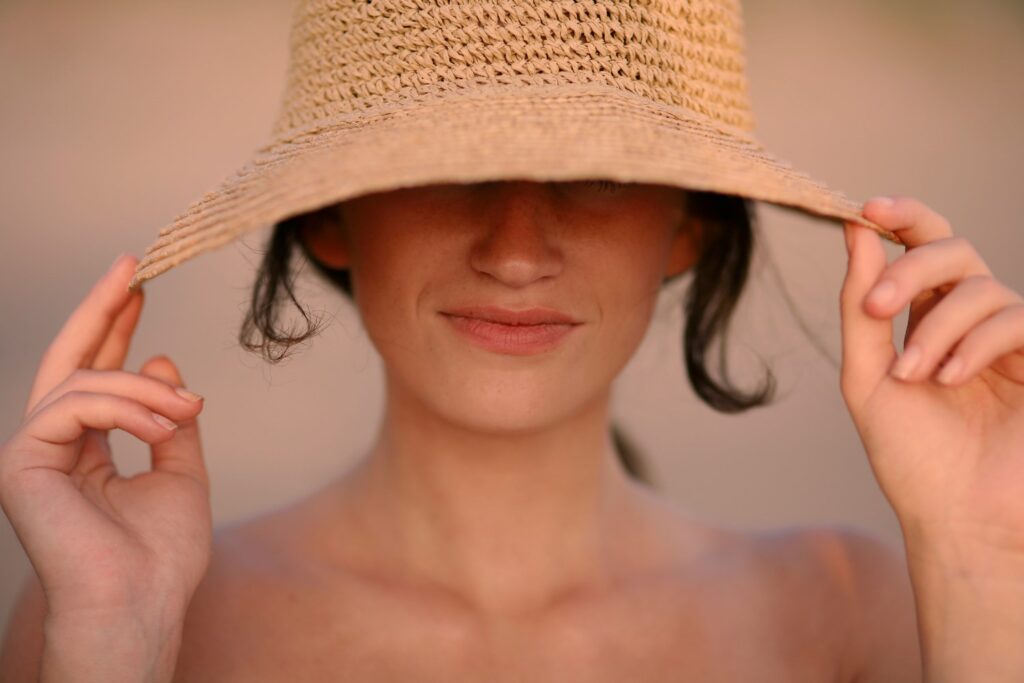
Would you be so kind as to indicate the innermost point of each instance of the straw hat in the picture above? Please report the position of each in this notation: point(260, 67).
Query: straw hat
point(382, 94)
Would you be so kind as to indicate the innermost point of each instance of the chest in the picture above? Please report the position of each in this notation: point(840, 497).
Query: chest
point(657, 633)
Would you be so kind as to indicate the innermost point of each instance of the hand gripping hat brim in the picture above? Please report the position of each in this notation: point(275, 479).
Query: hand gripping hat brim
point(385, 94)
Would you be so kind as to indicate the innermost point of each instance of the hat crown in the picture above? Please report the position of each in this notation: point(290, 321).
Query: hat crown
point(350, 57)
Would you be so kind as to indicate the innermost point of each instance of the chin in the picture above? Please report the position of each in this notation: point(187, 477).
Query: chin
point(473, 419)
point(506, 405)
point(494, 393)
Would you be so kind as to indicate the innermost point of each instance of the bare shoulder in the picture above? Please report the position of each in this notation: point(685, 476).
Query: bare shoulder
point(864, 578)
point(228, 619)
point(841, 595)
point(887, 616)
point(802, 587)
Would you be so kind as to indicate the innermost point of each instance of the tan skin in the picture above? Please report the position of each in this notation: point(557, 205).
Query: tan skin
point(489, 533)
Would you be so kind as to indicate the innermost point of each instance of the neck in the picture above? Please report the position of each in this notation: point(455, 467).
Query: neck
point(508, 521)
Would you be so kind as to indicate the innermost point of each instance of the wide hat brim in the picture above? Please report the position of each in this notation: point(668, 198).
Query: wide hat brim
point(543, 133)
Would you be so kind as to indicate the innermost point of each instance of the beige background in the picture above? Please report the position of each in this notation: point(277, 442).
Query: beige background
point(118, 114)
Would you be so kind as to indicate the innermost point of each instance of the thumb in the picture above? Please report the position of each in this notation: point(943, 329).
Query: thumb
point(182, 453)
point(868, 351)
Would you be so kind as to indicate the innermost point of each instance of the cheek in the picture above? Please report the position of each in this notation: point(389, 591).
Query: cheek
point(628, 304)
point(387, 282)
point(628, 298)
point(631, 270)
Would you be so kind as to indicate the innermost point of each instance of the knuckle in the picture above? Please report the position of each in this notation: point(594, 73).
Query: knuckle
point(80, 397)
point(961, 244)
point(152, 386)
point(73, 397)
point(942, 221)
point(992, 288)
point(995, 327)
point(962, 255)
point(158, 382)
point(925, 211)
point(1002, 292)
point(1015, 311)
point(984, 284)
point(79, 376)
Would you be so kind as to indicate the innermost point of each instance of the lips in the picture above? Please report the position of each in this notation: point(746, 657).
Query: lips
point(501, 330)
point(518, 340)
point(530, 316)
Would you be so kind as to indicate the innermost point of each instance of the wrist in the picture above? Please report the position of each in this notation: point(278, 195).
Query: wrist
point(965, 554)
point(969, 594)
point(969, 628)
point(107, 646)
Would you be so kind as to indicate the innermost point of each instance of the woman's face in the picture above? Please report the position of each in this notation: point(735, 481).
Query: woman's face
point(596, 252)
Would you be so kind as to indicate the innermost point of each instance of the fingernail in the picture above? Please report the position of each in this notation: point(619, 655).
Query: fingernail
point(881, 201)
point(882, 293)
point(906, 363)
point(951, 370)
point(164, 422)
point(185, 393)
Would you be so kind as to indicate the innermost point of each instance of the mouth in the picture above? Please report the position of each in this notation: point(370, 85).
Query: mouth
point(515, 333)
point(505, 316)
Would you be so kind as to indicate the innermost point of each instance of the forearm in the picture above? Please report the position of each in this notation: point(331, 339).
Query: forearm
point(970, 611)
point(122, 650)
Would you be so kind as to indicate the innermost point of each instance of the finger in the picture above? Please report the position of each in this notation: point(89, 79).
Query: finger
point(43, 440)
point(962, 309)
point(943, 262)
point(183, 453)
point(95, 460)
point(81, 337)
point(913, 221)
point(867, 340)
point(998, 335)
point(157, 394)
point(114, 349)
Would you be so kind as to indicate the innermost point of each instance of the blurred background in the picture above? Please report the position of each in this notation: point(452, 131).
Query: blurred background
point(117, 114)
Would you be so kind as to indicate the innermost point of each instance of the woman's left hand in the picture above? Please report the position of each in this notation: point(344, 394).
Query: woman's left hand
point(949, 456)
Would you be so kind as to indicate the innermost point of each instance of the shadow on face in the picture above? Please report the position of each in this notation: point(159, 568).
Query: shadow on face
point(595, 251)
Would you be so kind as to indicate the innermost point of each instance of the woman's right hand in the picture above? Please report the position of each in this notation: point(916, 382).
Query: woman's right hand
point(102, 544)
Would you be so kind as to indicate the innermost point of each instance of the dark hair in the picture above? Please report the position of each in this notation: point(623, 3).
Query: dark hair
point(719, 275)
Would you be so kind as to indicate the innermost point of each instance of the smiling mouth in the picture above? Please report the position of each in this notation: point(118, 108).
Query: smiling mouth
point(530, 316)
point(511, 338)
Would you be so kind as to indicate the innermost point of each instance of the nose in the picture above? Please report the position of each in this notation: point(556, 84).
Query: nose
point(517, 247)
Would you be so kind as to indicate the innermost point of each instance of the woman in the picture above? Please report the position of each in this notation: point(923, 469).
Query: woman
point(490, 533)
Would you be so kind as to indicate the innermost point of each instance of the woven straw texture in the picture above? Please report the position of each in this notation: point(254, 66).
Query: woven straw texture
point(383, 94)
